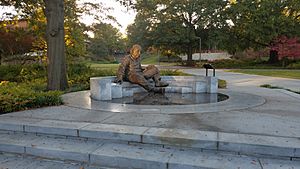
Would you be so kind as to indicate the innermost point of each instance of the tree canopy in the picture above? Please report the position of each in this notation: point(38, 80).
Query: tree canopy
point(233, 25)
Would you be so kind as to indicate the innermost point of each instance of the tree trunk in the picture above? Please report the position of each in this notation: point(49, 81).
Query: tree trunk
point(57, 74)
point(190, 56)
point(273, 56)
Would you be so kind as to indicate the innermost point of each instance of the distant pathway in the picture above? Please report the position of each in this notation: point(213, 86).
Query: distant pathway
point(246, 80)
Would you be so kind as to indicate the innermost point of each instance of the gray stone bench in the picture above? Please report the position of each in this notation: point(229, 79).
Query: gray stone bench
point(102, 88)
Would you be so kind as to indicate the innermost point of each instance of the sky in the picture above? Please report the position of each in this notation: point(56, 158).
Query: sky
point(123, 15)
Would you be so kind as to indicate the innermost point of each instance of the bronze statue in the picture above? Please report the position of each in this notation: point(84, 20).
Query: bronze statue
point(131, 70)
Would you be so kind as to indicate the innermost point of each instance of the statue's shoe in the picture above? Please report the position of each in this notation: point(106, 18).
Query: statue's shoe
point(161, 84)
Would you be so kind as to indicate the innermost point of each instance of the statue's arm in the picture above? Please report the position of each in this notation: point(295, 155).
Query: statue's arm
point(122, 68)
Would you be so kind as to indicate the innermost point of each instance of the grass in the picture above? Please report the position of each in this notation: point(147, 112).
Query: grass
point(287, 73)
point(153, 60)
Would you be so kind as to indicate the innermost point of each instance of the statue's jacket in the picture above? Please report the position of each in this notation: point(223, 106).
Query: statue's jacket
point(129, 67)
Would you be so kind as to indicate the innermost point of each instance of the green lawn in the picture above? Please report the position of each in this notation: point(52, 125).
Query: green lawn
point(294, 74)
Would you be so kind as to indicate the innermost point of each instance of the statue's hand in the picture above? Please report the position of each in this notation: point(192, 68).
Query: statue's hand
point(119, 81)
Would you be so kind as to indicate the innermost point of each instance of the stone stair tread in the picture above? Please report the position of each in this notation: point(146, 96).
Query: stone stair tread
point(43, 146)
point(150, 135)
point(11, 161)
point(122, 155)
point(111, 131)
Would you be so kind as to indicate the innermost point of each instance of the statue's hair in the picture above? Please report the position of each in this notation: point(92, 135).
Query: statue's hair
point(136, 46)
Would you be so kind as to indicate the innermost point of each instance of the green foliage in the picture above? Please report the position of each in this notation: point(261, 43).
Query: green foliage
point(24, 87)
point(257, 23)
point(80, 74)
point(19, 73)
point(222, 84)
point(149, 59)
point(15, 97)
point(106, 42)
point(295, 65)
point(174, 25)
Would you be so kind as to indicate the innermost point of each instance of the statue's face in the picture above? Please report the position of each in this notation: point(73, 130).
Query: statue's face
point(136, 53)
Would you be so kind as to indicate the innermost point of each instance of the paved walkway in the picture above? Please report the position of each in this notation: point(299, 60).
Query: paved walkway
point(278, 117)
point(246, 80)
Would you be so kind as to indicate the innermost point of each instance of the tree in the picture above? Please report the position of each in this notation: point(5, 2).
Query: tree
point(54, 33)
point(54, 12)
point(15, 42)
point(287, 47)
point(256, 24)
point(173, 23)
point(107, 40)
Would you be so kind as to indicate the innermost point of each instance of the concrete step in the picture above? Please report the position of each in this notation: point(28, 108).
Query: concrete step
point(120, 155)
point(13, 161)
point(220, 141)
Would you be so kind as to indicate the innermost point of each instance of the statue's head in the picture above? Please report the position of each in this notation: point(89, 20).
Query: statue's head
point(135, 51)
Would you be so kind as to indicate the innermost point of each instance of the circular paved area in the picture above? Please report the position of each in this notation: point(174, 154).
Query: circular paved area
point(236, 101)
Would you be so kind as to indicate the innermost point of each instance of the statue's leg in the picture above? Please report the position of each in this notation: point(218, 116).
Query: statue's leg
point(140, 80)
point(152, 72)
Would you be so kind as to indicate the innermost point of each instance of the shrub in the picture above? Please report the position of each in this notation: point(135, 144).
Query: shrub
point(222, 84)
point(19, 73)
point(294, 65)
point(10, 73)
point(16, 97)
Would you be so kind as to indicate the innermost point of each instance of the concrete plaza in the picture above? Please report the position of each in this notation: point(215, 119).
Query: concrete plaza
point(262, 133)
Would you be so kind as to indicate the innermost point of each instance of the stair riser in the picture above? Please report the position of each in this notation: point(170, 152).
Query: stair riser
point(204, 140)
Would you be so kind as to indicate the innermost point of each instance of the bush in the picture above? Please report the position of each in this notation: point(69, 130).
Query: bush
point(19, 73)
point(222, 84)
point(16, 97)
point(294, 65)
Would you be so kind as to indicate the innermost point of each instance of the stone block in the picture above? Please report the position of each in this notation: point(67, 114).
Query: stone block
point(101, 88)
point(189, 159)
point(62, 149)
point(200, 87)
point(15, 124)
point(179, 137)
point(130, 156)
point(127, 92)
point(15, 143)
point(56, 127)
point(212, 84)
point(279, 164)
point(173, 89)
point(138, 89)
point(297, 152)
point(113, 132)
point(186, 90)
point(256, 144)
point(116, 91)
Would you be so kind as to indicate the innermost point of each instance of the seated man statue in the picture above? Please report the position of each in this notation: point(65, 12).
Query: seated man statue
point(131, 70)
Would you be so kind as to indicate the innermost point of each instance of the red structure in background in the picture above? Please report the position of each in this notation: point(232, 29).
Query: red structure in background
point(287, 47)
